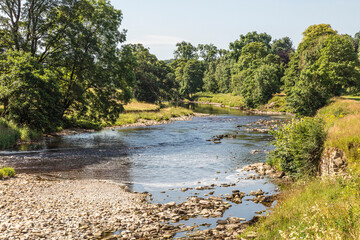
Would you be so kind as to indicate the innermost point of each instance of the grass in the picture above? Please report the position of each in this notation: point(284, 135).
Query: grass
point(276, 104)
point(135, 106)
point(342, 118)
point(163, 114)
point(8, 136)
point(7, 172)
point(323, 208)
point(357, 98)
point(317, 209)
point(226, 99)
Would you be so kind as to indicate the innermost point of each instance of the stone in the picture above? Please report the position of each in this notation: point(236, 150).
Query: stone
point(338, 162)
point(232, 226)
point(259, 192)
point(221, 222)
point(233, 220)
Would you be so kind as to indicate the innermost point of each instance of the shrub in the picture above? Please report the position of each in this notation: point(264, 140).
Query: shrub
point(8, 136)
point(7, 172)
point(299, 145)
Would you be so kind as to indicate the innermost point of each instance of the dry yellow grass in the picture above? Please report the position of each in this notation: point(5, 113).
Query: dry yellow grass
point(345, 135)
point(140, 106)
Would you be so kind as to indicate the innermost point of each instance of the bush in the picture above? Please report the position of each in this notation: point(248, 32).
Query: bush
point(7, 172)
point(299, 145)
point(8, 136)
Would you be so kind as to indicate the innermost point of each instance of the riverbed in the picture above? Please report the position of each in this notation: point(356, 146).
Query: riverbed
point(168, 161)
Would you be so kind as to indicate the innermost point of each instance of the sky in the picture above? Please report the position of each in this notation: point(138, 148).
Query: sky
point(160, 24)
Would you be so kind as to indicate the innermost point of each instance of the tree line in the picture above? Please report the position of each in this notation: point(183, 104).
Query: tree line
point(66, 59)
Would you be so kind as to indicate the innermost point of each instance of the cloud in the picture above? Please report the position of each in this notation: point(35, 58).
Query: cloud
point(158, 40)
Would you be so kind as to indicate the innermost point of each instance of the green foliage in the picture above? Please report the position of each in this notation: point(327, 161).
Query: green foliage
point(224, 99)
point(154, 79)
point(298, 147)
point(62, 57)
point(324, 65)
point(276, 104)
point(317, 209)
point(185, 51)
point(283, 48)
point(29, 92)
point(7, 172)
point(70, 122)
point(163, 114)
point(8, 135)
point(189, 75)
point(208, 52)
point(257, 74)
point(210, 82)
point(237, 46)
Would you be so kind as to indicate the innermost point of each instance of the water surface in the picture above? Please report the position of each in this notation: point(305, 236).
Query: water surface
point(159, 158)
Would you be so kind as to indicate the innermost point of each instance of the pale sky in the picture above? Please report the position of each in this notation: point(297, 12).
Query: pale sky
point(160, 24)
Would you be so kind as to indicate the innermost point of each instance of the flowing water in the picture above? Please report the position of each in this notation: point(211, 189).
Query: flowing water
point(159, 159)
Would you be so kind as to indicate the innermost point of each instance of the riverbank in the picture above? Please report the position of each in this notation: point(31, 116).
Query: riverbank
point(325, 206)
point(275, 106)
point(139, 123)
point(41, 206)
point(33, 208)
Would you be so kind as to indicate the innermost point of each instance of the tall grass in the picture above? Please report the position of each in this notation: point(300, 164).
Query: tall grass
point(8, 136)
point(319, 209)
point(342, 118)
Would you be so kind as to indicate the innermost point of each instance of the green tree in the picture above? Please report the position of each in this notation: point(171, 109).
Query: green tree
point(189, 75)
point(78, 42)
point(29, 92)
point(283, 48)
point(324, 65)
point(208, 52)
point(154, 80)
point(223, 74)
point(210, 82)
point(257, 74)
point(185, 51)
point(237, 45)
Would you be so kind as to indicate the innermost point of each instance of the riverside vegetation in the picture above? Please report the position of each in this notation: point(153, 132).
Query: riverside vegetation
point(324, 207)
point(63, 64)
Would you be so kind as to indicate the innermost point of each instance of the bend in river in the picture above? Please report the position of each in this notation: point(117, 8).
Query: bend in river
point(161, 159)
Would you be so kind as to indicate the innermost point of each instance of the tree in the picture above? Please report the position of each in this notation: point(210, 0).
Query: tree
point(223, 74)
point(283, 48)
point(357, 41)
point(78, 42)
point(237, 45)
point(210, 82)
point(189, 75)
point(29, 92)
point(323, 66)
point(257, 74)
point(208, 52)
point(154, 82)
point(185, 51)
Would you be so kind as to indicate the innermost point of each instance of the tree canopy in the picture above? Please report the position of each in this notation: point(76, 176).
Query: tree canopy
point(323, 66)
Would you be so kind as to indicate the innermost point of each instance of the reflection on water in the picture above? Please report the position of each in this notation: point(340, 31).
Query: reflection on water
point(155, 157)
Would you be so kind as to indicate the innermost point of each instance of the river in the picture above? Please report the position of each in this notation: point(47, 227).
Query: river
point(160, 159)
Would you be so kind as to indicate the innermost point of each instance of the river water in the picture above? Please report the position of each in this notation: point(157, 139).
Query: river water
point(159, 159)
